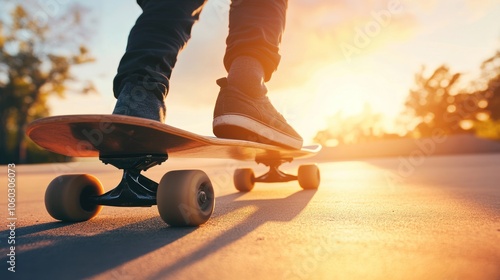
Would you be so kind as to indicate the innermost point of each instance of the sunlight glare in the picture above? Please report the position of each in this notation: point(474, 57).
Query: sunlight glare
point(349, 88)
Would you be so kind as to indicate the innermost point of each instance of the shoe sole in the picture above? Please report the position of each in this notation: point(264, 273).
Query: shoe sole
point(243, 128)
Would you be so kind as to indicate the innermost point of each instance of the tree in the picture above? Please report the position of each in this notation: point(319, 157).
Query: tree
point(488, 122)
point(36, 56)
point(491, 74)
point(432, 102)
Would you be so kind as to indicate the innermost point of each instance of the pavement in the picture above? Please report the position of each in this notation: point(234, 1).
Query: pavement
point(390, 218)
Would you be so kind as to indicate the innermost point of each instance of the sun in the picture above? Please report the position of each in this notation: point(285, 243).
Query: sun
point(344, 87)
point(350, 88)
point(343, 90)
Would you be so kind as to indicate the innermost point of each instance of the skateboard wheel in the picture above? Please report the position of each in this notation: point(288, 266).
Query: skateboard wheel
point(309, 176)
point(244, 179)
point(185, 198)
point(65, 197)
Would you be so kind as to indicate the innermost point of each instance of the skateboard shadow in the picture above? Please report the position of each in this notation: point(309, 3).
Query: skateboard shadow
point(270, 210)
point(27, 230)
point(73, 252)
point(70, 255)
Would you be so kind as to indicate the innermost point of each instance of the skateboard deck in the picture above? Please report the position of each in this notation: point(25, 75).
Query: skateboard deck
point(111, 135)
point(183, 197)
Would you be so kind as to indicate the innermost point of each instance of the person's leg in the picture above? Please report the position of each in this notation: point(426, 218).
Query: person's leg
point(255, 31)
point(243, 110)
point(161, 31)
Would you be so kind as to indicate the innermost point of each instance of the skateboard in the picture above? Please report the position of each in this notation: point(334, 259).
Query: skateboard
point(183, 197)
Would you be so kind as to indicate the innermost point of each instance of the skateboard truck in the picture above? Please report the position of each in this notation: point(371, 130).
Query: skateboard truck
point(134, 188)
point(275, 175)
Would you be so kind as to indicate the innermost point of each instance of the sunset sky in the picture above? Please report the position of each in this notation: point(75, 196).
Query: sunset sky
point(336, 56)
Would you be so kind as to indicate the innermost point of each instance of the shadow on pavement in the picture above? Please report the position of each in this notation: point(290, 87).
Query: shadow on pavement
point(71, 256)
point(270, 210)
point(71, 253)
point(21, 231)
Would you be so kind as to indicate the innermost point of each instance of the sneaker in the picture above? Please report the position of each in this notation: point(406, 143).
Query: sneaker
point(135, 102)
point(239, 116)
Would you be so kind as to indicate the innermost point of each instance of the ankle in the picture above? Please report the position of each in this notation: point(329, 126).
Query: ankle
point(247, 75)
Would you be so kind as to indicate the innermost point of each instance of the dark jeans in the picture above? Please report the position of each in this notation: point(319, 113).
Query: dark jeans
point(164, 27)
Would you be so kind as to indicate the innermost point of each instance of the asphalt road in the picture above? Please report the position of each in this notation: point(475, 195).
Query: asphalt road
point(406, 218)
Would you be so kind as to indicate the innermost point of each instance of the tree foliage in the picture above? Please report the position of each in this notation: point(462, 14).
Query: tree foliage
point(430, 101)
point(440, 102)
point(491, 76)
point(37, 52)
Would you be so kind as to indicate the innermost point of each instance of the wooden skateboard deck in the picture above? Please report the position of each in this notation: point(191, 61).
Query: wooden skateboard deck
point(117, 135)
point(183, 197)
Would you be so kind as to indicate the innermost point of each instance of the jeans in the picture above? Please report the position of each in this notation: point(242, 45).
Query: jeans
point(164, 28)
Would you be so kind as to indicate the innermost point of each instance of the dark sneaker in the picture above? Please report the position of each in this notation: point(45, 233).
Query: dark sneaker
point(239, 116)
point(139, 103)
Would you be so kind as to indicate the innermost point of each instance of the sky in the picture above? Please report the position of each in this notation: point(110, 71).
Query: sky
point(337, 56)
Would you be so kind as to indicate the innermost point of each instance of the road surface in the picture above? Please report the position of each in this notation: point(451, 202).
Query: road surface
point(393, 218)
